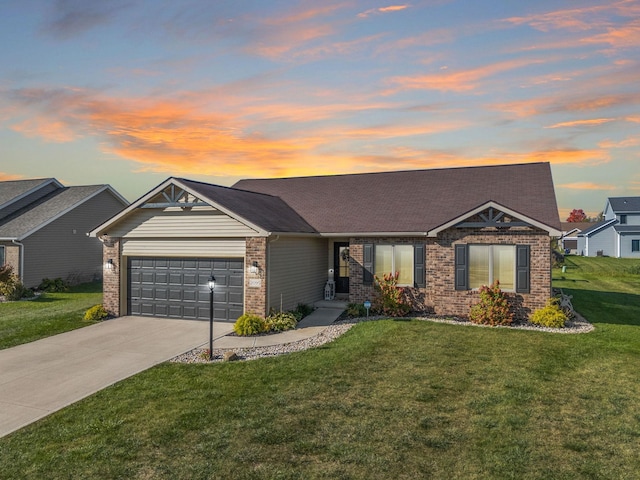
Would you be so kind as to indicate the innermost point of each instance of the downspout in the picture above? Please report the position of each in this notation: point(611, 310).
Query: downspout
point(21, 256)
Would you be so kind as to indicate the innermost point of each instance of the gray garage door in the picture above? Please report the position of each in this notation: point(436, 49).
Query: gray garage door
point(177, 287)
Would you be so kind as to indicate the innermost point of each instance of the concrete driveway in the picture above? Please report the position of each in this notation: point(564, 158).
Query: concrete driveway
point(41, 377)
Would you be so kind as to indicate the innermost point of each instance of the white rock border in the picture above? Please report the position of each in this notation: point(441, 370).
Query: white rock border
point(333, 331)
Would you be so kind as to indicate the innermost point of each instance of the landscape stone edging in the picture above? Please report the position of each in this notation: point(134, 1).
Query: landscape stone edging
point(335, 330)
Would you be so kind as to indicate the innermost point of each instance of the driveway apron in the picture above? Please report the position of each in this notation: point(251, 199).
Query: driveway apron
point(41, 377)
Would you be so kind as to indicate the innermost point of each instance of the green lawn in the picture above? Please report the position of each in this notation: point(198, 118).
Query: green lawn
point(389, 399)
point(51, 313)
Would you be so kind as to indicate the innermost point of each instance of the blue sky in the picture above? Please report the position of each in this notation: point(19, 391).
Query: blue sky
point(130, 92)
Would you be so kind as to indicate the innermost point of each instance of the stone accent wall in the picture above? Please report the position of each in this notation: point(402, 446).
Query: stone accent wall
point(255, 284)
point(440, 296)
point(12, 257)
point(111, 286)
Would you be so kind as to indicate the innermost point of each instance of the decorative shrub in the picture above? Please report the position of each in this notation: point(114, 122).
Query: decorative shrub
point(279, 322)
point(95, 314)
point(356, 310)
point(493, 308)
point(249, 324)
point(10, 285)
point(391, 299)
point(549, 316)
point(55, 285)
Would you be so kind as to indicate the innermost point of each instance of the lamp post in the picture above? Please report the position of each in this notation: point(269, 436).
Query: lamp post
point(212, 285)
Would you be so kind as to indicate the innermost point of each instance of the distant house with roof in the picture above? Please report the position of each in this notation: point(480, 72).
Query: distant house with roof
point(274, 243)
point(44, 226)
point(570, 232)
point(618, 234)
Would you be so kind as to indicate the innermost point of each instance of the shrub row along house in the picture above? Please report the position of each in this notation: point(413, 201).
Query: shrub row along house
point(44, 225)
point(275, 243)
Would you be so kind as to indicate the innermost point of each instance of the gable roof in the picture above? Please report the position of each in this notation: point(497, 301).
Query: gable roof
point(263, 213)
point(269, 213)
point(414, 201)
point(13, 190)
point(35, 216)
point(597, 227)
point(625, 204)
point(575, 227)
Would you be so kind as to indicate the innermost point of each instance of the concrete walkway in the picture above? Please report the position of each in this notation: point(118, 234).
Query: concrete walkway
point(41, 377)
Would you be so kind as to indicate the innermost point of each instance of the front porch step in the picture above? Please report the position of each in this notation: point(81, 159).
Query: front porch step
point(338, 304)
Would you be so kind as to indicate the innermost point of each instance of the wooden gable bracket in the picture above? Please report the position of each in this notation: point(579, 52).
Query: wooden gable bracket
point(492, 218)
point(176, 197)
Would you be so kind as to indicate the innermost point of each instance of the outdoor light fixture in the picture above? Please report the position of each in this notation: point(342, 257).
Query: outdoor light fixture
point(212, 285)
point(254, 268)
point(109, 264)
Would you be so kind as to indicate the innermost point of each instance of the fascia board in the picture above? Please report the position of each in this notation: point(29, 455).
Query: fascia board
point(552, 231)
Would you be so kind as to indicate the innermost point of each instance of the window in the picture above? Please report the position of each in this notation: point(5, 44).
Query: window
point(488, 263)
point(623, 219)
point(477, 265)
point(635, 245)
point(395, 258)
point(2, 260)
point(408, 260)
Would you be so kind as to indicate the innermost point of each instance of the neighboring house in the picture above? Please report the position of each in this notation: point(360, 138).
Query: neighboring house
point(618, 235)
point(570, 232)
point(274, 243)
point(44, 227)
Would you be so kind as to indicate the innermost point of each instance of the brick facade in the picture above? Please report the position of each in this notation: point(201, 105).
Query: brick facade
point(439, 296)
point(112, 277)
point(255, 284)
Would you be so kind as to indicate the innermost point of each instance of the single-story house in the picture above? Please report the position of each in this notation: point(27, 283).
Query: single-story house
point(44, 226)
point(275, 243)
point(618, 235)
point(570, 232)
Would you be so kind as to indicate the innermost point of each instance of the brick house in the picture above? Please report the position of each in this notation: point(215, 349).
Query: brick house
point(274, 243)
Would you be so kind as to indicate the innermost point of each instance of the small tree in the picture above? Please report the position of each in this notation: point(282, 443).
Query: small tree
point(577, 215)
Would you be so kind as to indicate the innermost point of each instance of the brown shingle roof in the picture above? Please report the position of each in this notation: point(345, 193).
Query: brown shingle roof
point(412, 201)
point(265, 211)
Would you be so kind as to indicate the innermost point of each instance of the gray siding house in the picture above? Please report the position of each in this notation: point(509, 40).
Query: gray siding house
point(274, 243)
point(618, 235)
point(44, 226)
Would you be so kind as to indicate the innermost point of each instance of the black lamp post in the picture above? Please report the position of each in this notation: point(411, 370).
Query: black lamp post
point(212, 285)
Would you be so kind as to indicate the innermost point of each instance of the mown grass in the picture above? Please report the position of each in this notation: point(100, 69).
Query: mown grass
point(389, 399)
point(49, 314)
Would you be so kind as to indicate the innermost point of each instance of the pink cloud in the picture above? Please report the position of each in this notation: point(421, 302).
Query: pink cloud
point(461, 80)
point(586, 186)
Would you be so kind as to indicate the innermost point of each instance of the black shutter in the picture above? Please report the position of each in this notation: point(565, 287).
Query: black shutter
point(367, 264)
point(522, 269)
point(461, 266)
point(419, 278)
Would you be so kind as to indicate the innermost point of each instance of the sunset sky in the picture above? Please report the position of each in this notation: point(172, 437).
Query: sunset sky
point(130, 92)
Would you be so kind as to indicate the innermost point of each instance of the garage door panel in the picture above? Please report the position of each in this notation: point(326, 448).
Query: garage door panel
point(177, 287)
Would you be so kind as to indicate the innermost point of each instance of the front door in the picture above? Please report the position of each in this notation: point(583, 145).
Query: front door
point(341, 266)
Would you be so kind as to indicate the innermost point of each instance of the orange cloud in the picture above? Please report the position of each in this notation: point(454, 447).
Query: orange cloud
point(582, 123)
point(629, 142)
point(459, 81)
point(587, 186)
point(390, 8)
point(9, 176)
